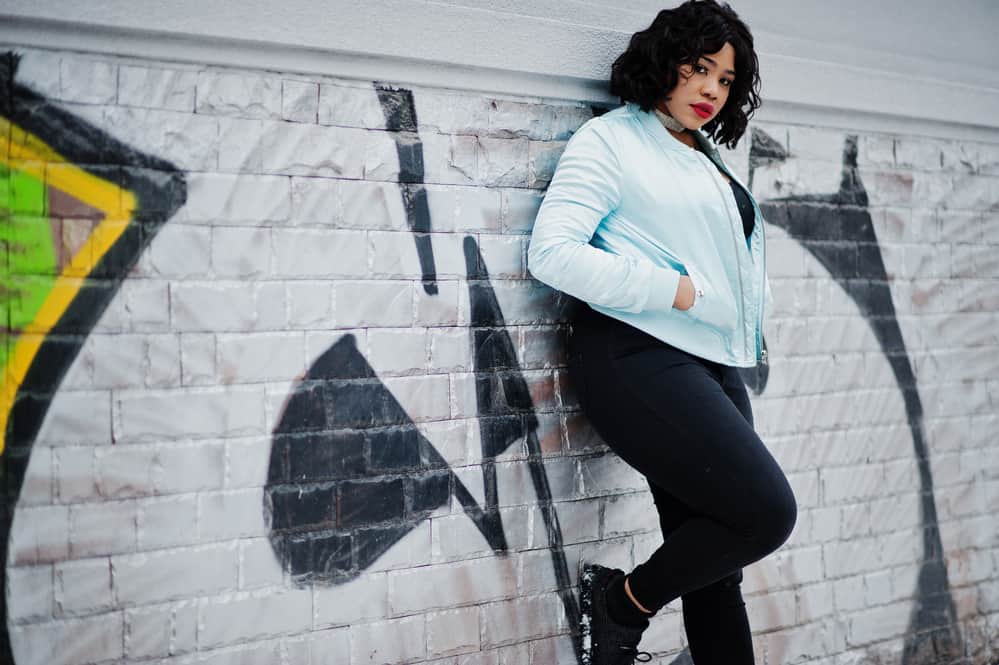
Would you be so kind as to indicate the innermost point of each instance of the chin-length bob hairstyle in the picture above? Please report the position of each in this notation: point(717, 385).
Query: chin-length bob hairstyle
point(649, 68)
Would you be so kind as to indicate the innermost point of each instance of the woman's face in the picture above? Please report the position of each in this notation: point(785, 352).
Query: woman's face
point(702, 88)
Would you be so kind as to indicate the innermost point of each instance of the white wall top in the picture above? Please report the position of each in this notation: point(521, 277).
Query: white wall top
point(920, 62)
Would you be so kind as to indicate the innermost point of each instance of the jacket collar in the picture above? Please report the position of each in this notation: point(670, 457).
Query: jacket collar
point(663, 137)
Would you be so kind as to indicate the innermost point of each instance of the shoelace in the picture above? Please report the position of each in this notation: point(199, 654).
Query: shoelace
point(636, 655)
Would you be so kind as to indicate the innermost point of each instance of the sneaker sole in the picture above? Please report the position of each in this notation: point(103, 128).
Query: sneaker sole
point(586, 615)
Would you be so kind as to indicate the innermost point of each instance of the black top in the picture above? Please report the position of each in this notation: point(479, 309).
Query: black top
point(745, 208)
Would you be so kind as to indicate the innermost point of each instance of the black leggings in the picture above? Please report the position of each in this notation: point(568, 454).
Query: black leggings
point(686, 424)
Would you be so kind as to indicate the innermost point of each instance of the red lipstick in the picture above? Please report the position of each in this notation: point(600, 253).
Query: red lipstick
point(703, 109)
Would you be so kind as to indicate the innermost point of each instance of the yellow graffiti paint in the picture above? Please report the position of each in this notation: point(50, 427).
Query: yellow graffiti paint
point(22, 151)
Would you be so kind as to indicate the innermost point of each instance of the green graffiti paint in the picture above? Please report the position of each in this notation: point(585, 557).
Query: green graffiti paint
point(31, 259)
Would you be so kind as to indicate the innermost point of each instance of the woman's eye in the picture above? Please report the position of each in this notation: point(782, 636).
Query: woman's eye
point(700, 69)
point(727, 83)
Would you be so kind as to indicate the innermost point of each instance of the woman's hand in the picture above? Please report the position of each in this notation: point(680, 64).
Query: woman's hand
point(684, 294)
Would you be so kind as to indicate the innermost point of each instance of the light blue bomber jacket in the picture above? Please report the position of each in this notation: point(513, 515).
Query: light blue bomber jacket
point(629, 210)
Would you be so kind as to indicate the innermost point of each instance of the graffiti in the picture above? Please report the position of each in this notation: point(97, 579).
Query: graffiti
point(350, 474)
point(78, 208)
point(837, 230)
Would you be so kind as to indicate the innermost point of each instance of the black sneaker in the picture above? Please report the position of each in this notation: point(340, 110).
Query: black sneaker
point(605, 642)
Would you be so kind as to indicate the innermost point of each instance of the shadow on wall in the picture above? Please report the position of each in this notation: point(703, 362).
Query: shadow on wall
point(79, 207)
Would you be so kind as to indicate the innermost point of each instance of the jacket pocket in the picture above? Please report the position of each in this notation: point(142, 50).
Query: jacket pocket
point(710, 306)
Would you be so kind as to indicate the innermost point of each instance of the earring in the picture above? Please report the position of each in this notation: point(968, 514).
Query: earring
point(669, 122)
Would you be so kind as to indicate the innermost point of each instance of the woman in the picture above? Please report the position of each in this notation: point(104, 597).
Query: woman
point(645, 223)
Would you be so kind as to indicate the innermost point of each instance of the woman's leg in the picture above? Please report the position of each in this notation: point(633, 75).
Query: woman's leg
point(668, 415)
point(714, 617)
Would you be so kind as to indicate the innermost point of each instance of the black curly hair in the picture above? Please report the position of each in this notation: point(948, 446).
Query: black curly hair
point(649, 68)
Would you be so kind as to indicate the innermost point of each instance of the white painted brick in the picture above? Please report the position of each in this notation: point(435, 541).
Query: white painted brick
point(148, 415)
point(120, 357)
point(814, 601)
point(309, 253)
point(816, 143)
point(609, 474)
point(197, 358)
point(450, 349)
point(555, 651)
point(258, 565)
point(310, 304)
point(240, 252)
point(219, 198)
point(502, 162)
point(271, 309)
point(451, 159)
point(38, 482)
point(39, 535)
point(451, 585)
point(520, 208)
point(231, 514)
point(807, 643)
point(918, 153)
point(772, 610)
point(187, 140)
point(373, 303)
point(455, 537)
point(136, 470)
point(879, 623)
point(90, 640)
point(510, 119)
point(422, 397)
point(398, 351)
point(29, 593)
point(87, 81)
point(170, 89)
point(77, 417)
point(247, 462)
point(515, 485)
point(368, 601)
point(326, 647)
point(665, 632)
point(543, 157)
point(851, 557)
point(255, 357)
point(441, 308)
point(453, 632)
point(395, 641)
point(449, 113)
point(579, 521)
point(83, 587)
point(160, 630)
point(287, 148)
point(877, 588)
point(174, 574)
point(249, 618)
point(147, 304)
point(629, 513)
point(212, 306)
point(362, 205)
point(242, 95)
point(504, 256)
point(98, 529)
point(161, 361)
point(848, 593)
point(350, 106)
point(39, 70)
point(167, 522)
point(521, 619)
point(851, 483)
point(381, 161)
point(299, 100)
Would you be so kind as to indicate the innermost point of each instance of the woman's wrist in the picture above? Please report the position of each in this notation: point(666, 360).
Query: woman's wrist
point(684, 294)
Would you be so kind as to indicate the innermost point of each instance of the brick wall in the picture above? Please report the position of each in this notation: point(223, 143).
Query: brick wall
point(323, 417)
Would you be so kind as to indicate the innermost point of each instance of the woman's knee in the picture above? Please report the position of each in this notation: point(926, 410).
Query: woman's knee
point(777, 513)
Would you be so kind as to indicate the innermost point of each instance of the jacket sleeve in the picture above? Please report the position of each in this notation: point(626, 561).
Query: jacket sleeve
point(586, 187)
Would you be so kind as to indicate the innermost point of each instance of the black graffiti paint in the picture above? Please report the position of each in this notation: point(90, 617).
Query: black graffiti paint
point(837, 230)
point(400, 119)
point(350, 474)
point(160, 190)
point(506, 415)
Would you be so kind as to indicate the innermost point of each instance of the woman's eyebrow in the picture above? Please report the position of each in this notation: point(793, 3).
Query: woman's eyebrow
point(715, 64)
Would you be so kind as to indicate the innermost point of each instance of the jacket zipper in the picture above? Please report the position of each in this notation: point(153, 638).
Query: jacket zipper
point(714, 178)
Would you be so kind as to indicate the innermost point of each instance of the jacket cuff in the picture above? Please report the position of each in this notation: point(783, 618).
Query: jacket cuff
point(663, 285)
